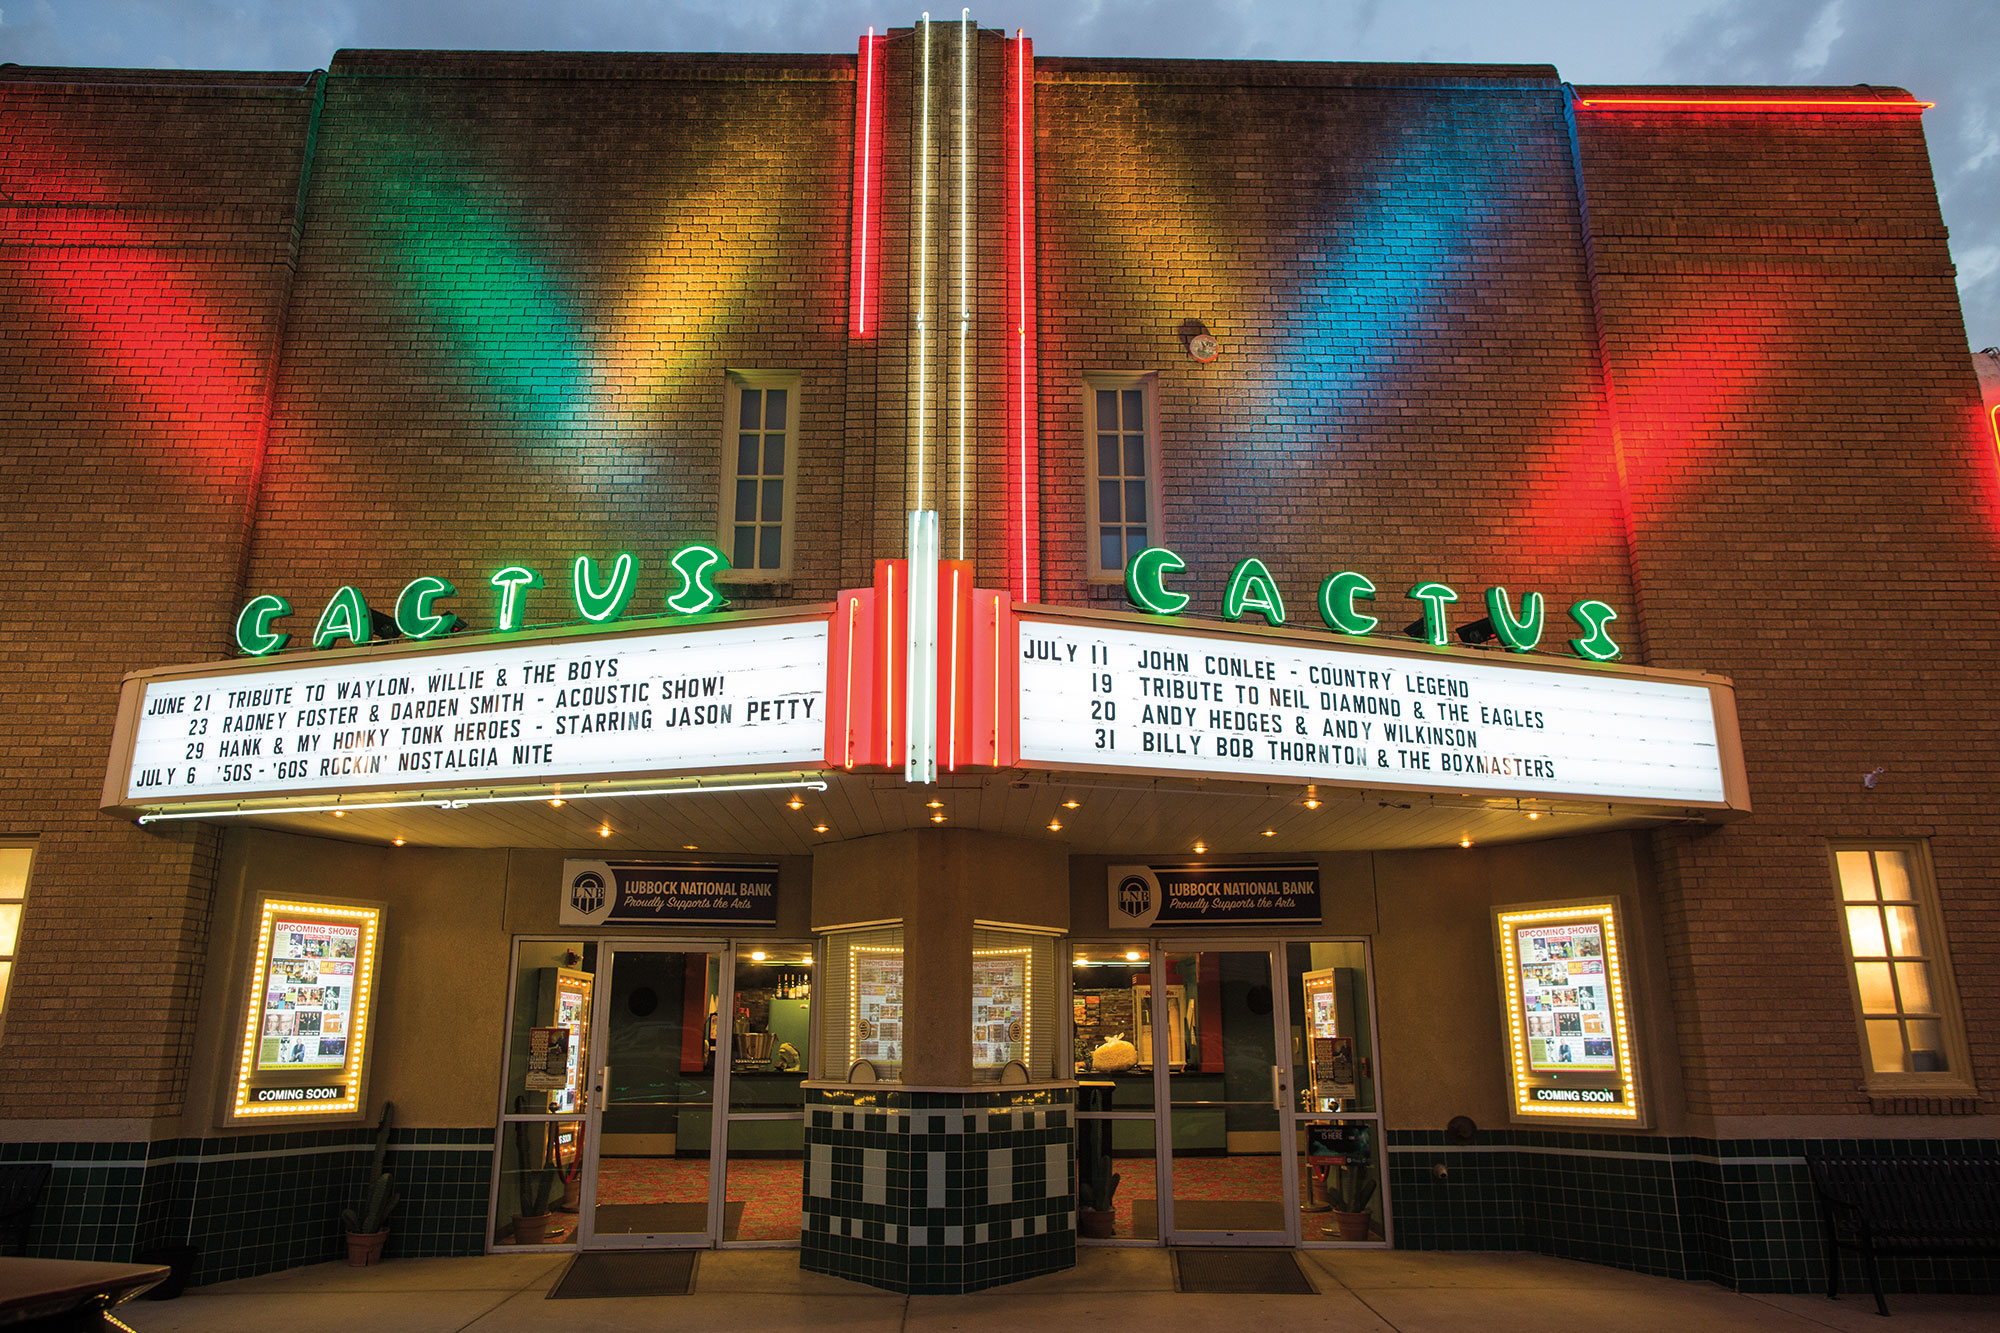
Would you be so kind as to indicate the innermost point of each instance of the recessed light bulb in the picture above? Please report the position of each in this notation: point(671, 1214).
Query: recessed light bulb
point(934, 805)
point(1200, 847)
point(557, 802)
point(604, 831)
point(1055, 826)
point(1071, 804)
point(1270, 833)
point(756, 955)
point(1534, 814)
point(1132, 955)
point(1465, 842)
point(938, 818)
point(819, 828)
point(399, 842)
point(340, 814)
point(689, 847)
point(1312, 802)
point(796, 802)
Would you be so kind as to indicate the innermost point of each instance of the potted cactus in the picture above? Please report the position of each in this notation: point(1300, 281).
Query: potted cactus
point(1349, 1190)
point(539, 1189)
point(1097, 1191)
point(368, 1226)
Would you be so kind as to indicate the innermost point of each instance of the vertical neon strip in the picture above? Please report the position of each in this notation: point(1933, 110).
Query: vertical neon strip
point(922, 405)
point(920, 728)
point(885, 670)
point(867, 157)
point(1023, 509)
point(952, 662)
point(853, 616)
point(999, 667)
point(964, 243)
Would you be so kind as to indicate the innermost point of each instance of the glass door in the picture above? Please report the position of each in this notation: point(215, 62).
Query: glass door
point(1218, 1016)
point(652, 1145)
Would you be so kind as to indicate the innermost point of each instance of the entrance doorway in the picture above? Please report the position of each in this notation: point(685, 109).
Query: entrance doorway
point(673, 1116)
point(1227, 1092)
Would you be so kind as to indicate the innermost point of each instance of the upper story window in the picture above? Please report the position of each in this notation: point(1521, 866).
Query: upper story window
point(1911, 1035)
point(759, 472)
point(1121, 430)
point(15, 862)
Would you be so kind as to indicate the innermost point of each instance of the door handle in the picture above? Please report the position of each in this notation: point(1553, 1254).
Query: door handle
point(1277, 1087)
point(603, 1083)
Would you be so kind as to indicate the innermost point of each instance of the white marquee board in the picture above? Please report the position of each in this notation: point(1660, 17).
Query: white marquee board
point(700, 700)
point(1099, 695)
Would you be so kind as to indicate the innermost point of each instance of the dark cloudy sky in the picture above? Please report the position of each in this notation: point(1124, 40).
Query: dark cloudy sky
point(1946, 51)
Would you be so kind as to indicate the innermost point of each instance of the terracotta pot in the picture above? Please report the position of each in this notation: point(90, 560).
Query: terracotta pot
point(1350, 1226)
point(364, 1249)
point(1096, 1223)
point(531, 1230)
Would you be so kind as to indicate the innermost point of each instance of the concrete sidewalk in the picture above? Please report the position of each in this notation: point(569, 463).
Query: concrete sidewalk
point(751, 1290)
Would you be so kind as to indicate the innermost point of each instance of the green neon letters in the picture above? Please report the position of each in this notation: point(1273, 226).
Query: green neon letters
point(512, 609)
point(1336, 603)
point(1251, 588)
point(1521, 635)
point(1595, 643)
point(606, 603)
point(1435, 596)
point(414, 617)
point(1146, 581)
point(254, 634)
point(697, 564)
point(346, 617)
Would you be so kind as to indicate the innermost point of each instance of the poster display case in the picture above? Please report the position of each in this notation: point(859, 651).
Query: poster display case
point(1331, 1078)
point(1564, 986)
point(558, 1041)
point(305, 1013)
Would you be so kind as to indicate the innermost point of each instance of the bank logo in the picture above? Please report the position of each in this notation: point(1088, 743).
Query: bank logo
point(586, 891)
point(1135, 896)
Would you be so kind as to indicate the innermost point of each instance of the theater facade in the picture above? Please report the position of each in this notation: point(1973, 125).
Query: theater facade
point(939, 655)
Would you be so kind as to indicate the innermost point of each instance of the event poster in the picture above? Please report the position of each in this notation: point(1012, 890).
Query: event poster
point(1566, 997)
point(878, 1006)
point(999, 1009)
point(308, 995)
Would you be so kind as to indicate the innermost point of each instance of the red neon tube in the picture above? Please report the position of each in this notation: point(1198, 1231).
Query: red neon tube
point(862, 317)
point(1785, 105)
point(1024, 556)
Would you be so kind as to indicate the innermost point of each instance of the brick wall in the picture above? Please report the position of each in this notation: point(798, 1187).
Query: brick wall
point(145, 230)
point(1814, 515)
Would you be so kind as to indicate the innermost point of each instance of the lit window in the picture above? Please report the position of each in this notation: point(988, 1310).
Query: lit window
point(1124, 487)
point(15, 860)
point(757, 474)
point(1904, 998)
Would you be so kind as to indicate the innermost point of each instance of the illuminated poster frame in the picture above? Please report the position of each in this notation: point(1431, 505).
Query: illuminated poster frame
point(285, 934)
point(1565, 964)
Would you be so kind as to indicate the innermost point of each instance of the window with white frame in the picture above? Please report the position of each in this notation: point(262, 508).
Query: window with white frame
point(759, 472)
point(15, 861)
point(1911, 1034)
point(1121, 431)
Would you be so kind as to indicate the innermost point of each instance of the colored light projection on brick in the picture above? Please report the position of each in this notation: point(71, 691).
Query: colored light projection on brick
point(181, 366)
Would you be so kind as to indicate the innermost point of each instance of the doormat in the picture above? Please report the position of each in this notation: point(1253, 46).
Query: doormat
point(1240, 1272)
point(665, 1219)
point(1210, 1215)
point(647, 1273)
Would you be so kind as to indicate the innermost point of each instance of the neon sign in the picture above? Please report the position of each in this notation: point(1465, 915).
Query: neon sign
point(600, 596)
point(1252, 588)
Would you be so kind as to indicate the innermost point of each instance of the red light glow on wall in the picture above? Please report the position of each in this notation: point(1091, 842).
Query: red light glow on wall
point(1773, 105)
point(1024, 550)
point(863, 317)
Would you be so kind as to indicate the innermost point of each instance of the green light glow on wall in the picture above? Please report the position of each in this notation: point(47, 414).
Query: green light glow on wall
point(254, 634)
point(1595, 644)
point(346, 617)
point(513, 606)
point(607, 602)
point(1146, 581)
point(1251, 588)
point(1521, 635)
point(414, 617)
point(697, 564)
point(1435, 597)
point(1336, 603)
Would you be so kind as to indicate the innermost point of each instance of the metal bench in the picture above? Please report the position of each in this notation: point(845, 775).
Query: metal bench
point(1934, 1207)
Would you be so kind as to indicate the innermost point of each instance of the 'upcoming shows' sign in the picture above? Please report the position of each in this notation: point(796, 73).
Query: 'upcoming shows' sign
point(1097, 695)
